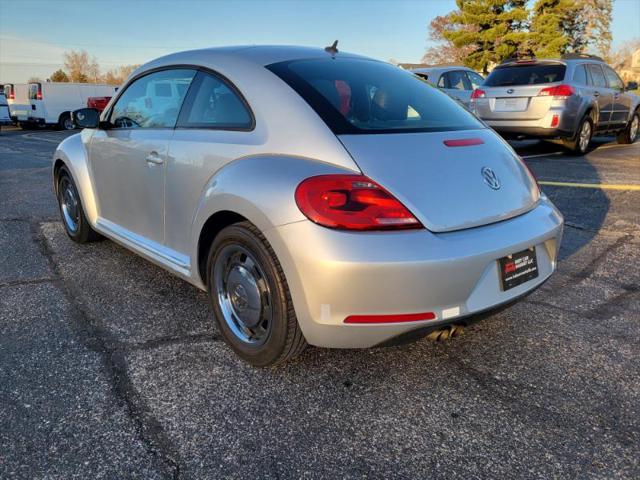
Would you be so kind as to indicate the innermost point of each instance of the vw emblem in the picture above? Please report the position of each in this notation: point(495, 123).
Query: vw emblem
point(510, 90)
point(490, 178)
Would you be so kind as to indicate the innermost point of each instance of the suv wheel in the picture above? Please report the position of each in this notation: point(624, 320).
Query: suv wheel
point(630, 133)
point(250, 297)
point(579, 145)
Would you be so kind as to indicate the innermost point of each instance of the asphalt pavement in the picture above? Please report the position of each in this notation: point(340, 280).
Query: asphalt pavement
point(112, 368)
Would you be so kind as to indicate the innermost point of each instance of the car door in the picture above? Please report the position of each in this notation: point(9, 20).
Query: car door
point(215, 127)
point(602, 94)
point(128, 158)
point(621, 101)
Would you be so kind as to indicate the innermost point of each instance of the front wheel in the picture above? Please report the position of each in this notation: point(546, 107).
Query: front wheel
point(579, 145)
point(630, 133)
point(250, 297)
point(73, 218)
point(65, 122)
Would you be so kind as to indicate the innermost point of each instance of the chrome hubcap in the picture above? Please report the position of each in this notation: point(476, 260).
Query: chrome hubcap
point(243, 294)
point(585, 136)
point(69, 205)
point(633, 131)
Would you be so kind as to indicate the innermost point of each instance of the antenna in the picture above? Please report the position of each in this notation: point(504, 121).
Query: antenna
point(333, 49)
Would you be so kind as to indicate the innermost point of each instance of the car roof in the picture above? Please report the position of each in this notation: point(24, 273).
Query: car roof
point(257, 54)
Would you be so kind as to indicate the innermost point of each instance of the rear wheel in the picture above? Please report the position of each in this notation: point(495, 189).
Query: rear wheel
point(65, 122)
point(579, 145)
point(250, 297)
point(73, 218)
point(630, 133)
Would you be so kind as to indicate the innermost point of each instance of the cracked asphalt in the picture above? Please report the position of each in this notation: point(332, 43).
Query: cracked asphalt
point(111, 368)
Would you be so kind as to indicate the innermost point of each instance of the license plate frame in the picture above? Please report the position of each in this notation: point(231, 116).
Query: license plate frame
point(514, 104)
point(518, 268)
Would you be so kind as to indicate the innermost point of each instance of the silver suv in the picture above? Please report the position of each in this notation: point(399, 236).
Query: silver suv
point(570, 100)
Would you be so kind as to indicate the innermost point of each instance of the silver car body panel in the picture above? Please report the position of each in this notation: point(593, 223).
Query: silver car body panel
point(433, 75)
point(255, 173)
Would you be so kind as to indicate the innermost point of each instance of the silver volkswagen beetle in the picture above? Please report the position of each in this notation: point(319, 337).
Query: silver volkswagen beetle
point(319, 197)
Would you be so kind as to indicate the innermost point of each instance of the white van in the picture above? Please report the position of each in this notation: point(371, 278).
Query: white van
point(5, 118)
point(18, 99)
point(53, 102)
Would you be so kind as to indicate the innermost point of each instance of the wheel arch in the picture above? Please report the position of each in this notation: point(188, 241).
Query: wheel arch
point(259, 189)
point(72, 154)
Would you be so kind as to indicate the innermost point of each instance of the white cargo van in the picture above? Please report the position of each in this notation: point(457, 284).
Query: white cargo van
point(18, 99)
point(53, 102)
point(5, 118)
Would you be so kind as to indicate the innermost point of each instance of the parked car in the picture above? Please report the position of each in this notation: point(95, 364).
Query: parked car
point(308, 218)
point(458, 81)
point(5, 117)
point(99, 103)
point(569, 99)
point(51, 103)
point(18, 99)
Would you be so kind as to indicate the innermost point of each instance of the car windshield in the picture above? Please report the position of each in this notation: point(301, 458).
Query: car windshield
point(526, 75)
point(366, 96)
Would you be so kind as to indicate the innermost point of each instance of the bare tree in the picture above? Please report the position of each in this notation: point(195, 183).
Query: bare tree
point(81, 68)
point(34, 80)
point(117, 76)
point(445, 51)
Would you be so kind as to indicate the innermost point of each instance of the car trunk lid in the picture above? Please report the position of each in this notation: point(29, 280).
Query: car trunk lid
point(447, 185)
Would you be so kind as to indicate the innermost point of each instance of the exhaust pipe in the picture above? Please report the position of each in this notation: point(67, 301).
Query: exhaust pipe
point(446, 333)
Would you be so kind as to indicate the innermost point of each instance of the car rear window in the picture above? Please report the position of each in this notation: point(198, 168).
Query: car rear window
point(366, 96)
point(526, 74)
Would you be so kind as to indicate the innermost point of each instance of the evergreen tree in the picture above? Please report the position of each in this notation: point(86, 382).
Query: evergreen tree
point(495, 29)
point(554, 28)
point(59, 76)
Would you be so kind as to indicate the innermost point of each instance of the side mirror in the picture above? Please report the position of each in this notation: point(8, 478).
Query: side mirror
point(632, 86)
point(86, 118)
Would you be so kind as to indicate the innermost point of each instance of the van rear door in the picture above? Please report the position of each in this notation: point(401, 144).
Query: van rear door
point(37, 112)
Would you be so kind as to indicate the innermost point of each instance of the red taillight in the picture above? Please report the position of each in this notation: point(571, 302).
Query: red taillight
point(408, 317)
point(477, 93)
point(557, 91)
point(555, 120)
point(12, 95)
point(352, 202)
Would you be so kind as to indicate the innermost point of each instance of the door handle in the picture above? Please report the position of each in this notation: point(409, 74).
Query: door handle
point(596, 94)
point(154, 158)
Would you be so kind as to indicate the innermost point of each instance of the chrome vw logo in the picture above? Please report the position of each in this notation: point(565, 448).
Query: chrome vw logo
point(510, 90)
point(490, 178)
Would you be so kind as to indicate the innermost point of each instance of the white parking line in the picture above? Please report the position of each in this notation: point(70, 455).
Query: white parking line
point(41, 139)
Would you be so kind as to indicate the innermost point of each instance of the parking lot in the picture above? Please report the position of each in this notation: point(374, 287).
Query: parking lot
point(112, 368)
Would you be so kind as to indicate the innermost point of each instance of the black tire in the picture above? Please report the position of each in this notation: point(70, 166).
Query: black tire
point(82, 233)
point(65, 122)
point(276, 335)
point(575, 146)
point(631, 132)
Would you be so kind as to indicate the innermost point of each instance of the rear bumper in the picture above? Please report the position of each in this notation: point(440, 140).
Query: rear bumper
point(565, 125)
point(333, 275)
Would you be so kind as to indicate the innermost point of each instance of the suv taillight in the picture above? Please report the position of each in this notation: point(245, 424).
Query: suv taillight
point(477, 93)
point(557, 91)
point(352, 202)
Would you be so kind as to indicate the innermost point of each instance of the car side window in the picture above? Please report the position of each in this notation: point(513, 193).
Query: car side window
point(597, 77)
point(613, 78)
point(152, 101)
point(455, 80)
point(213, 103)
point(475, 79)
point(580, 75)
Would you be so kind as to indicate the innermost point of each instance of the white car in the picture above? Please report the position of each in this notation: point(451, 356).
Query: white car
point(5, 118)
point(51, 103)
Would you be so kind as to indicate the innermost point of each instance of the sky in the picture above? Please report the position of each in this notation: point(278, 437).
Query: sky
point(35, 33)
